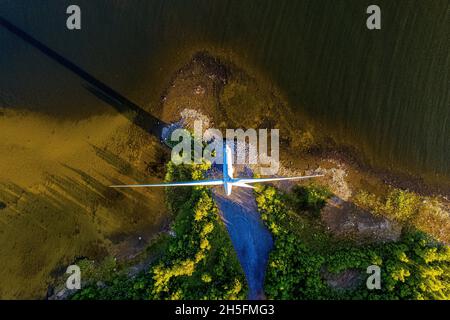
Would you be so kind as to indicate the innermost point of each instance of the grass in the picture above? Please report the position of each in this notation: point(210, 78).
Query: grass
point(421, 212)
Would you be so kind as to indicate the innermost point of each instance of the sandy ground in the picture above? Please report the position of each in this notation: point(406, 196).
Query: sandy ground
point(56, 203)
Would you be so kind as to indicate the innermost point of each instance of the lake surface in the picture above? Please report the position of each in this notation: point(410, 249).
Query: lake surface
point(386, 92)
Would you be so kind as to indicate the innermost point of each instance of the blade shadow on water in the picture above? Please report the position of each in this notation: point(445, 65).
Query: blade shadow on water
point(132, 111)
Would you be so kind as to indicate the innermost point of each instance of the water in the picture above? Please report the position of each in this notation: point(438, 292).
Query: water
point(251, 239)
point(385, 91)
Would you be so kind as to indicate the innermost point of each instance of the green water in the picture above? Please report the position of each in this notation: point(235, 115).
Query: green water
point(386, 91)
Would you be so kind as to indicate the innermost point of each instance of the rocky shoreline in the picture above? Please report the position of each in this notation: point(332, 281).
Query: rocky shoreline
point(223, 95)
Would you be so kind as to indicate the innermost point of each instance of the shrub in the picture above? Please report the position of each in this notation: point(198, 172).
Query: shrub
point(416, 267)
point(199, 262)
point(309, 198)
point(399, 204)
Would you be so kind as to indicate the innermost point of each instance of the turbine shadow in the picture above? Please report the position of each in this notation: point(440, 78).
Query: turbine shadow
point(96, 87)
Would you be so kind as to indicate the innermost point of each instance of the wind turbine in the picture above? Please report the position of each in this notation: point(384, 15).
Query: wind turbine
point(227, 181)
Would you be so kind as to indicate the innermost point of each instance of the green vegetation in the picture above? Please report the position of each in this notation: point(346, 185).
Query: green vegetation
point(399, 204)
point(199, 261)
point(414, 268)
point(310, 198)
point(102, 271)
point(423, 213)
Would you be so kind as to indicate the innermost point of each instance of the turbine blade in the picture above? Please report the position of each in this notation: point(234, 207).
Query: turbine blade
point(243, 185)
point(173, 184)
point(276, 179)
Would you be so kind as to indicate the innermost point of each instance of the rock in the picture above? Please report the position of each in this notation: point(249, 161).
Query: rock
point(50, 292)
point(344, 219)
point(347, 279)
point(62, 294)
point(199, 90)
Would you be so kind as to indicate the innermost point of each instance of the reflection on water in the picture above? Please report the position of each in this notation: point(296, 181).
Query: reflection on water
point(385, 91)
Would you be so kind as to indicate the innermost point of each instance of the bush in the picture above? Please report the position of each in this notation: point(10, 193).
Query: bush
point(416, 267)
point(199, 262)
point(309, 198)
point(399, 204)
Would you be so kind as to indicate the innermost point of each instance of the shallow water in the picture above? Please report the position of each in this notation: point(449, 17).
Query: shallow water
point(385, 91)
point(250, 237)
